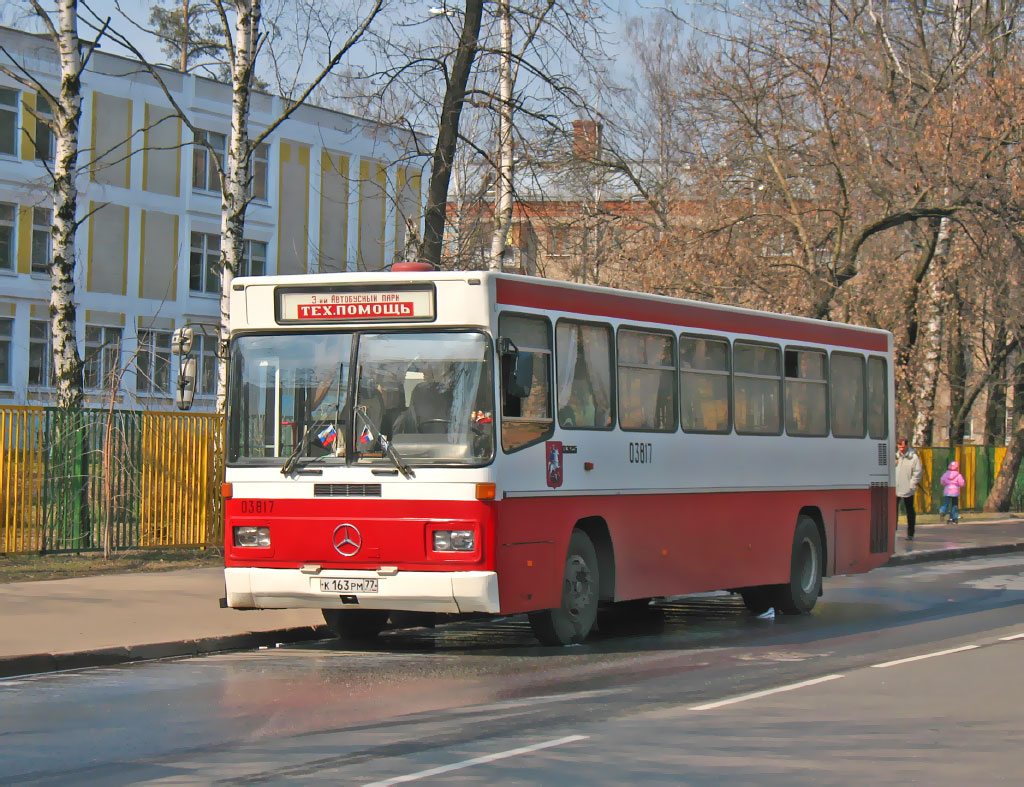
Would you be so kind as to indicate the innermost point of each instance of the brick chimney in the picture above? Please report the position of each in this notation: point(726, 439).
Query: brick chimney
point(586, 139)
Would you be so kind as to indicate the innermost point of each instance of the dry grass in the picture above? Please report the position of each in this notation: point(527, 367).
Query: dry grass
point(32, 568)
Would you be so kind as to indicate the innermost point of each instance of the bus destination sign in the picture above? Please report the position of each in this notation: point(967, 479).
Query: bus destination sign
point(317, 306)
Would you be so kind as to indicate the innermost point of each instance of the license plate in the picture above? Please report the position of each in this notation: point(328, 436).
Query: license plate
point(348, 585)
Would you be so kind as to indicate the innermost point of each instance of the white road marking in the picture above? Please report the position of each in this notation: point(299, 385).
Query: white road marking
point(757, 694)
point(922, 657)
point(1012, 637)
point(480, 760)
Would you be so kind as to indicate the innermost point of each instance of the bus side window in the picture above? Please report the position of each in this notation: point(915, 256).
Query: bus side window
point(846, 392)
point(583, 375)
point(704, 370)
point(526, 412)
point(757, 388)
point(878, 411)
point(806, 393)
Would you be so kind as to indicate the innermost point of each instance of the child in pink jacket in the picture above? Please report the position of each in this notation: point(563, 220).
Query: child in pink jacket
point(952, 482)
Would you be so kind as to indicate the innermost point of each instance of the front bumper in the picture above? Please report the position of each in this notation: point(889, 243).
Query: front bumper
point(415, 591)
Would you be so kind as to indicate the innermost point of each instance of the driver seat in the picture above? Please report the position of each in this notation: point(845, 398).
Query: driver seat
point(429, 406)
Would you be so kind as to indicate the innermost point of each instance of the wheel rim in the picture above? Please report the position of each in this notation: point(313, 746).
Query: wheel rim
point(579, 587)
point(808, 566)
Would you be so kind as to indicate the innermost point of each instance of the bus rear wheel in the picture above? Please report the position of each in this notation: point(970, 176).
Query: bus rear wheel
point(356, 625)
point(800, 594)
point(570, 623)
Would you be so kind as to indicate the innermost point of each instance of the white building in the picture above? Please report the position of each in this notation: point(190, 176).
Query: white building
point(331, 192)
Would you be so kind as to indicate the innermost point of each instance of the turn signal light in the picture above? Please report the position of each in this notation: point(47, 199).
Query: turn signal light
point(485, 491)
point(226, 490)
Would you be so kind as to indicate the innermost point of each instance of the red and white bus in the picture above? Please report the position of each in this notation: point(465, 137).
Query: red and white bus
point(475, 442)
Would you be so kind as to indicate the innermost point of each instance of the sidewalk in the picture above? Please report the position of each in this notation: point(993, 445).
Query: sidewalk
point(115, 618)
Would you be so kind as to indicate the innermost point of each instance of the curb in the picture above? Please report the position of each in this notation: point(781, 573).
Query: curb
point(932, 555)
point(16, 666)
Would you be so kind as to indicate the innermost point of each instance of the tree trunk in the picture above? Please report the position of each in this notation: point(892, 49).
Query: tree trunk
point(1001, 495)
point(66, 117)
point(235, 174)
point(447, 134)
point(503, 183)
point(931, 339)
point(957, 367)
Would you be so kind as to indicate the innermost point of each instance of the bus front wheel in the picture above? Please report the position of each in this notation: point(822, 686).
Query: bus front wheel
point(570, 623)
point(356, 625)
point(800, 594)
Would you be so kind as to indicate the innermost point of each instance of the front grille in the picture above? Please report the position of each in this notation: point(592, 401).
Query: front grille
point(346, 490)
point(883, 454)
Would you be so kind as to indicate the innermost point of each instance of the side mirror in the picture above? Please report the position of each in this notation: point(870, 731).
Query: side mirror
point(520, 380)
point(181, 340)
point(185, 391)
point(517, 369)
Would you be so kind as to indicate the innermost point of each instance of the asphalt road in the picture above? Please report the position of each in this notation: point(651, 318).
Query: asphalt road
point(904, 674)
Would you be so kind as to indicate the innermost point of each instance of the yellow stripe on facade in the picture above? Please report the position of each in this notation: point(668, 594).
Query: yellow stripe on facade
point(24, 239)
point(28, 126)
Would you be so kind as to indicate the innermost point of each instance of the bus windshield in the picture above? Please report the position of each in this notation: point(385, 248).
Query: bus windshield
point(428, 394)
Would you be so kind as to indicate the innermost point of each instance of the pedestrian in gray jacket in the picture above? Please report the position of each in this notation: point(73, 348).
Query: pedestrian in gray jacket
point(908, 476)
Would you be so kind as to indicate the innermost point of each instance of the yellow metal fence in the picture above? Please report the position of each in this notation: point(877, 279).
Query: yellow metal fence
point(125, 478)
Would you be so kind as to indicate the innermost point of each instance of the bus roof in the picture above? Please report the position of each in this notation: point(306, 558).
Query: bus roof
point(607, 302)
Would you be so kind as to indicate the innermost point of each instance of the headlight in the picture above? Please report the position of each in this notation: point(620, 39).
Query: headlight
point(252, 536)
point(454, 541)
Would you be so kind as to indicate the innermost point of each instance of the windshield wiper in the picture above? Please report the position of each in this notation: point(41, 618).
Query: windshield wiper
point(293, 458)
point(385, 444)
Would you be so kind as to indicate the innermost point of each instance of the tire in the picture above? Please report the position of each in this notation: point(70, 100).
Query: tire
point(571, 623)
point(799, 596)
point(758, 599)
point(356, 625)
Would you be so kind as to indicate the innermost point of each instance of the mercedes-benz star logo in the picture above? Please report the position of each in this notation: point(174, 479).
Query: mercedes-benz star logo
point(347, 539)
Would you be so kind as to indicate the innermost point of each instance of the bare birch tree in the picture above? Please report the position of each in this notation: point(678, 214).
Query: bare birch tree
point(244, 40)
point(63, 121)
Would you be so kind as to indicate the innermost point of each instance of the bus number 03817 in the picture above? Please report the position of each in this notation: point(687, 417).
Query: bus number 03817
point(256, 506)
point(641, 453)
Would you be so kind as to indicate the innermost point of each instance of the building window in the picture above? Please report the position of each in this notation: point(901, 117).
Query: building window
point(206, 360)
point(44, 135)
point(260, 166)
point(102, 356)
point(205, 175)
point(204, 263)
point(6, 329)
point(558, 241)
point(42, 221)
point(7, 235)
point(153, 362)
point(254, 259)
point(8, 121)
point(40, 354)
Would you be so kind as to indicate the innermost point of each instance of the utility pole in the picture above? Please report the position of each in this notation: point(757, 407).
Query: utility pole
point(503, 183)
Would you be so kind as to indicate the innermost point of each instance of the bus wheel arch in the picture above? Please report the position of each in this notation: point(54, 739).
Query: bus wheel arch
point(799, 595)
point(572, 621)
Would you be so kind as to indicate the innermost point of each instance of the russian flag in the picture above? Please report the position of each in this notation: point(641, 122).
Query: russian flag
point(366, 436)
point(327, 435)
